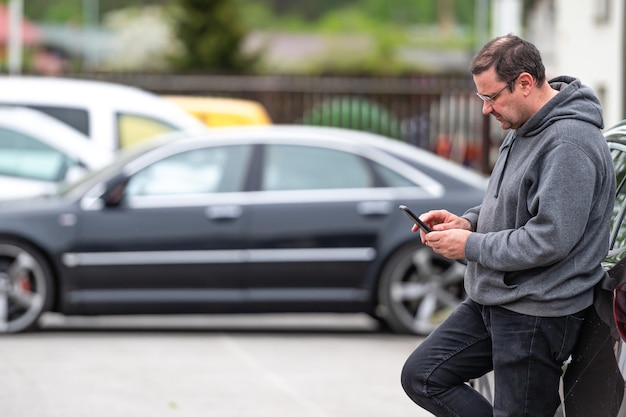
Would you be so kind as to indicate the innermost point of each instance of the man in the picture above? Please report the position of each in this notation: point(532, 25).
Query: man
point(534, 246)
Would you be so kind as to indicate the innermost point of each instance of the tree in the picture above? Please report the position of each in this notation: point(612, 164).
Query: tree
point(211, 34)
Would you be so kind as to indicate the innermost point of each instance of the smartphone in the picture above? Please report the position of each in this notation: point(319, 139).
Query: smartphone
point(415, 219)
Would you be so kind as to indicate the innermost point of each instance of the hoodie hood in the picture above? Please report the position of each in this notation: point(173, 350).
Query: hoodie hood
point(574, 101)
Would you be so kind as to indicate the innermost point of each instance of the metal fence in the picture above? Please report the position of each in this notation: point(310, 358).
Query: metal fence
point(441, 114)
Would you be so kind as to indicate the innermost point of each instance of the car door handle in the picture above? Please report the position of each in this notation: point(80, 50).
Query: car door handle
point(374, 208)
point(229, 212)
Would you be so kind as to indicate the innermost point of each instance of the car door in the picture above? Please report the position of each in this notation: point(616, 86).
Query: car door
point(174, 243)
point(315, 225)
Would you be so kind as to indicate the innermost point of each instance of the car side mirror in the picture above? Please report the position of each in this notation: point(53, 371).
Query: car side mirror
point(115, 190)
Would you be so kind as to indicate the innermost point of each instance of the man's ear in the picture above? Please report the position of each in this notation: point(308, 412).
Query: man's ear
point(525, 82)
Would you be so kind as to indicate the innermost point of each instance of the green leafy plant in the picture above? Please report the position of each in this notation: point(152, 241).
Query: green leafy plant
point(354, 113)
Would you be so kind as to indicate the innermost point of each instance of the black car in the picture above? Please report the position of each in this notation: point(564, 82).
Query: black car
point(243, 220)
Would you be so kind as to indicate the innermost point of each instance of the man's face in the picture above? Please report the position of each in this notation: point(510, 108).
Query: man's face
point(498, 99)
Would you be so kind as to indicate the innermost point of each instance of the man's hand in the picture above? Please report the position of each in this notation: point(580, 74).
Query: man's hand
point(449, 243)
point(449, 235)
point(443, 220)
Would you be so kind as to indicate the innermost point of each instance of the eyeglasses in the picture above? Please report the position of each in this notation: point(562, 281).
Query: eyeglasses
point(492, 99)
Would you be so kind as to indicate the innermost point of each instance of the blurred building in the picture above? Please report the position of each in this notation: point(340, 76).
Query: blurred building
point(581, 38)
point(585, 39)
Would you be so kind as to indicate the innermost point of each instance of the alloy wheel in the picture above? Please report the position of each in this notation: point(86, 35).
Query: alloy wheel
point(418, 289)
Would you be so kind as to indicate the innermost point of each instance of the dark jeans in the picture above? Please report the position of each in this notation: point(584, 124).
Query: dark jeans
point(526, 354)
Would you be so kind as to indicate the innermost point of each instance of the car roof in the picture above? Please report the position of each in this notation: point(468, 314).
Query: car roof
point(55, 134)
point(77, 92)
point(66, 90)
point(356, 138)
point(616, 131)
point(223, 111)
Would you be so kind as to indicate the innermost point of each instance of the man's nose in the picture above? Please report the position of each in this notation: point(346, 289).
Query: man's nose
point(487, 107)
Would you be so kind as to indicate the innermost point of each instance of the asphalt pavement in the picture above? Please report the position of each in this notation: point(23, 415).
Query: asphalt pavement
point(268, 366)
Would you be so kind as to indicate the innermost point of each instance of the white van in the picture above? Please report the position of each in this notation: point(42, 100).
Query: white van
point(39, 153)
point(112, 115)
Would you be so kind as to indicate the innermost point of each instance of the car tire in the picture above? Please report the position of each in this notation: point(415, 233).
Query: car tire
point(418, 289)
point(26, 286)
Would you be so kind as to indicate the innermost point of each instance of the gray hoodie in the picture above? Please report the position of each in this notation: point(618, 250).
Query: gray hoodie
point(542, 229)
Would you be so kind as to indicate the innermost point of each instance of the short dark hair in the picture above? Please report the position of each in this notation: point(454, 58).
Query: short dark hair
point(510, 55)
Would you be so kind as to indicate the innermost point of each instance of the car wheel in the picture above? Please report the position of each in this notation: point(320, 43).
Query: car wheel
point(418, 289)
point(25, 287)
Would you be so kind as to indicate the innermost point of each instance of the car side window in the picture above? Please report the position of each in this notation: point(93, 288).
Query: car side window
point(133, 128)
point(293, 167)
point(26, 157)
point(199, 171)
point(618, 219)
point(75, 117)
point(392, 178)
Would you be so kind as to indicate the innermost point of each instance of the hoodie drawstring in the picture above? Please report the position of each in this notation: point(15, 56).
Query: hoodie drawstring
point(506, 161)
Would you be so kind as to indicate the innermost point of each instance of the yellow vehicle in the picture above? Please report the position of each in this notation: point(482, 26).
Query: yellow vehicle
point(222, 111)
